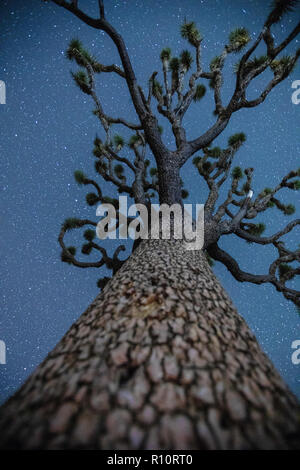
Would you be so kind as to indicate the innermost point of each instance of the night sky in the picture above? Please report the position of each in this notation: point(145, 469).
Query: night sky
point(47, 132)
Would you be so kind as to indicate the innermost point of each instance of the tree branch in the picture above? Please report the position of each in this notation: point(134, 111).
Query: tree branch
point(103, 25)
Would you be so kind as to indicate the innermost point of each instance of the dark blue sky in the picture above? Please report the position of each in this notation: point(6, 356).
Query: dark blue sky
point(47, 130)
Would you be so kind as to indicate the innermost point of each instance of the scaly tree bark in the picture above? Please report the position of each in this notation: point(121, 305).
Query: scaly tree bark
point(161, 358)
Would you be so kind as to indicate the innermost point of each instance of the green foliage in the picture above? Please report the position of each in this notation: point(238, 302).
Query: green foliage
point(252, 64)
point(153, 171)
point(289, 209)
point(100, 166)
point(267, 191)
point(237, 173)
point(283, 269)
point(197, 160)
point(97, 141)
point(89, 234)
point(91, 199)
point(186, 59)
point(165, 54)
point(282, 65)
point(184, 194)
point(160, 129)
point(134, 140)
point(257, 229)
point(98, 150)
point(82, 81)
point(200, 92)
point(90, 59)
point(72, 250)
point(214, 152)
point(75, 46)
point(157, 88)
point(86, 248)
point(174, 64)
point(81, 56)
point(71, 223)
point(238, 39)
point(80, 177)
point(215, 63)
point(279, 9)
point(97, 67)
point(296, 185)
point(190, 32)
point(65, 257)
point(119, 141)
point(236, 139)
point(256, 62)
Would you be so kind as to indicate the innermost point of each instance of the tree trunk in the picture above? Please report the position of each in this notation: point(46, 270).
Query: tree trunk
point(160, 360)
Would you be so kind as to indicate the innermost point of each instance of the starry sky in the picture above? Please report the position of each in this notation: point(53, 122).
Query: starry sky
point(47, 131)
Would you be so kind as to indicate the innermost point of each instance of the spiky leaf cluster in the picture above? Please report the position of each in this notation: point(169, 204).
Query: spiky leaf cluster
point(236, 139)
point(82, 81)
point(100, 166)
point(190, 32)
point(186, 59)
point(289, 209)
point(157, 89)
point(65, 257)
point(251, 64)
point(91, 199)
point(81, 56)
point(256, 229)
point(80, 177)
point(215, 63)
point(71, 223)
point(134, 141)
point(237, 173)
point(200, 92)
point(118, 141)
point(296, 185)
point(153, 172)
point(282, 65)
point(86, 248)
point(89, 234)
point(197, 160)
point(214, 152)
point(279, 9)
point(174, 64)
point(238, 39)
point(165, 54)
point(283, 269)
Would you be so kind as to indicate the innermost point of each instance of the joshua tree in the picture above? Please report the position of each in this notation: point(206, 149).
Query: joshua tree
point(161, 358)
